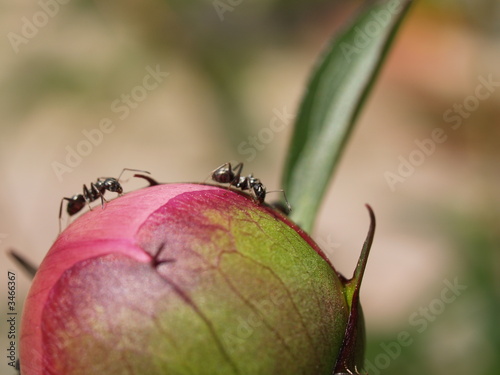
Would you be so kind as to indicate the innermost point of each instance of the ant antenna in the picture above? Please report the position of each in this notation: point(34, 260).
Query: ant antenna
point(131, 170)
point(284, 195)
point(123, 170)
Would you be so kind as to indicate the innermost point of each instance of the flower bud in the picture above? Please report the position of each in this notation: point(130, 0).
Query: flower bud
point(185, 279)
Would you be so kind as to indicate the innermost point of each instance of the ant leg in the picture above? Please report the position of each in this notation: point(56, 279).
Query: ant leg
point(357, 371)
point(286, 200)
point(237, 172)
point(225, 165)
point(60, 212)
point(284, 195)
point(92, 186)
point(88, 194)
point(247, 184)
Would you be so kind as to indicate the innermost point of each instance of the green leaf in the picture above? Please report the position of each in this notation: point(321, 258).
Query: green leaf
point(332, 103)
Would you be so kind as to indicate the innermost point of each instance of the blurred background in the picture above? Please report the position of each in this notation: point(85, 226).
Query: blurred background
point(180, 87)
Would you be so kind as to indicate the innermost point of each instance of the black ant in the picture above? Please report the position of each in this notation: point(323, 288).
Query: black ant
point(225, 174)
point(97, 189)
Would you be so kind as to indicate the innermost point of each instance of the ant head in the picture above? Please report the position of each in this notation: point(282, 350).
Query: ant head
point(112, 184)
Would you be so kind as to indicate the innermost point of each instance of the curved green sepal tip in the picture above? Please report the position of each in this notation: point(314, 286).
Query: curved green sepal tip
point(351, 356)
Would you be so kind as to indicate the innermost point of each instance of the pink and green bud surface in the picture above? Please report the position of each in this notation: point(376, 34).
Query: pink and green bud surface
point(189, 279)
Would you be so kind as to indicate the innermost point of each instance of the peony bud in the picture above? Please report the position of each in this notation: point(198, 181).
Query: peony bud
point(188, 279)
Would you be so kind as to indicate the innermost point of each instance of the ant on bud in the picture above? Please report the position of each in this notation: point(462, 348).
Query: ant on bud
point(226, 174)
point(97, 189)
